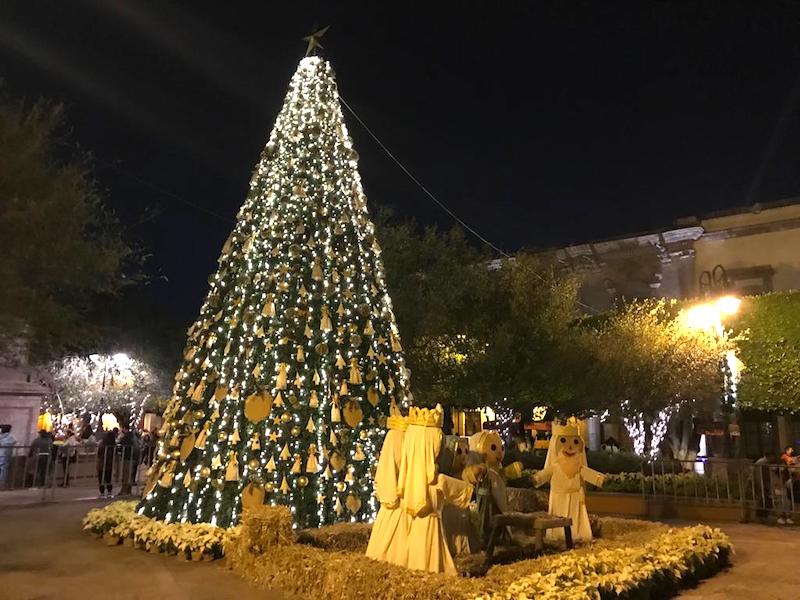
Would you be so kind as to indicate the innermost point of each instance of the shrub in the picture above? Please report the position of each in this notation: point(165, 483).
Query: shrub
point(599, 460)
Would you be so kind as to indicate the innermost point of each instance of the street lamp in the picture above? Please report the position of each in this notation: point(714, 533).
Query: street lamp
point(708, 317)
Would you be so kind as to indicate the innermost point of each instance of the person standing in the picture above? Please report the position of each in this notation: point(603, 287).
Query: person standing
point(69, 455)
point(128, 447)
point(105, 462)
point(7, 443)
point(41, 452)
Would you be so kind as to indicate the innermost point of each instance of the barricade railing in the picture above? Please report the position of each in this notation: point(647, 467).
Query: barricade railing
point(761, 489)
point(108, 469)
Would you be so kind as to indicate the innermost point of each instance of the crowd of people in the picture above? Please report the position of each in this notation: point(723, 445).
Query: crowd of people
point(117, 453)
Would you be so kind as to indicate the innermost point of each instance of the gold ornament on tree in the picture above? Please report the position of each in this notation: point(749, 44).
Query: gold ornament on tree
point(353, 413)
point(187, 445)
point(281, 381)
point(355, 374)
point(258, 406)
point(353, 503)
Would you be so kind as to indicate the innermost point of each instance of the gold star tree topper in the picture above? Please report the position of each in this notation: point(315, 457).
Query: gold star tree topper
point(313, 40)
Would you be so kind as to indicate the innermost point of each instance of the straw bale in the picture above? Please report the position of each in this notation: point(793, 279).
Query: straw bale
point(343, 536)
point(264, 527)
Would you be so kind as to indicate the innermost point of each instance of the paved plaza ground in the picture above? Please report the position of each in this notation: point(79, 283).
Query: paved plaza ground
point(44, 554)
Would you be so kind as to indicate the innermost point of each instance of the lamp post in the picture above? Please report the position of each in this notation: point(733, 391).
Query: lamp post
point(709, 316)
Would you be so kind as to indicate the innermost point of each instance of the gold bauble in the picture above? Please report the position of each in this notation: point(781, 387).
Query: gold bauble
point(302, 481)
point(205, 472)
point(252, 464)
point(176, 454)
point(199, 414)
point(286, 417)
point(363, 435)
point(269, 487)
point(295, 431)
point(341, 486)
point(222, 436)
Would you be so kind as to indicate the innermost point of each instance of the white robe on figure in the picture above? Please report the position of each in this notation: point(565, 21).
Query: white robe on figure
point(566, 469)
point(389, 538)
point(568, 499)
point(427, 545)
point(425, 493)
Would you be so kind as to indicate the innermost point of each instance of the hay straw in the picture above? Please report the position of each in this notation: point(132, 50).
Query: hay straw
point(344, 536)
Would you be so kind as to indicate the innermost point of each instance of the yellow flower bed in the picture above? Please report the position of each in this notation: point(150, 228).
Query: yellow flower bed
point(633, 559)
point(657, 568)
point(118, 523)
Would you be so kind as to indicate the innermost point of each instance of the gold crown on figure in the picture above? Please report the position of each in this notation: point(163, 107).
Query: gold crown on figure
point(396, 420)
point(426, 417)
point(569, 427)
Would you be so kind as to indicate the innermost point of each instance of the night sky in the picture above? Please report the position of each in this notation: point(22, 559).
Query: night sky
point(539, 123)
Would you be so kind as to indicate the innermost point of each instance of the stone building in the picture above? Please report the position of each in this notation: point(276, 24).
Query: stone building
point(758, 248)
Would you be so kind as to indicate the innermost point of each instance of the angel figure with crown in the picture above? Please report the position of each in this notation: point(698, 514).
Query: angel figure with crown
point(566, 469)
point(389, 538)
point(425, 491)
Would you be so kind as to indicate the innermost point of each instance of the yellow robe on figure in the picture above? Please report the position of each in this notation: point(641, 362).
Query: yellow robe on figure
point(389, 538)
point(425, 493)
point(566, 469)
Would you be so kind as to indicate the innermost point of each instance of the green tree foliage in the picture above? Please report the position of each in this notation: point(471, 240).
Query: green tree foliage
point(440, 286)
point(62, 249)
point(479, 332)
point(534, 352)
point(651, 366)
point(770, 351)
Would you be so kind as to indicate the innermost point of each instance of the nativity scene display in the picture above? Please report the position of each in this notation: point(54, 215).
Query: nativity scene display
point(444, 497)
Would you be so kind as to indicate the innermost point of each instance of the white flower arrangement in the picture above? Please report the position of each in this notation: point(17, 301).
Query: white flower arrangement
point(667, 561)
point(119, 521)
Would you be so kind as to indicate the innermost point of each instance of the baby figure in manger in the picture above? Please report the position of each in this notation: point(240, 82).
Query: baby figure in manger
point(566, 469)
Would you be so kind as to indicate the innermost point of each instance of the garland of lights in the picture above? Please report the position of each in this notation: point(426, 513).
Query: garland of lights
point(295, 357)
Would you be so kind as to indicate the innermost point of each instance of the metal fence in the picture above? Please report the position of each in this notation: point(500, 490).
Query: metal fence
point(762, 490)
point(48, 468)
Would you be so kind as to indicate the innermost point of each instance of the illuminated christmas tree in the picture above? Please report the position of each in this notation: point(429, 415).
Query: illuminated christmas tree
point(291, 367)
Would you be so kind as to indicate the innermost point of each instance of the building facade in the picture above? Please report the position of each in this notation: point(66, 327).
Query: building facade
point(758, 248)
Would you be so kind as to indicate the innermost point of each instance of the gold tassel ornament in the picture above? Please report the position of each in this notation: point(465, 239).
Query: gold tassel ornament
point(355, 374)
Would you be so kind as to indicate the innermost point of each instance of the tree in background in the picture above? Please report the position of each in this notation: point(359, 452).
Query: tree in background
point(534, 354)
point(770, 352)
point(651, 367)
point(441, 285)
point(292, 364)
point(62, 248)
point(93, 385)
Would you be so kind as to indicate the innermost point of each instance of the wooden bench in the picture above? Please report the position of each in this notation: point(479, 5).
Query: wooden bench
point(538, 521)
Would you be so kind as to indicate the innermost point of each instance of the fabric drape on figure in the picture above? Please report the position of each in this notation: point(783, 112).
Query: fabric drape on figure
point(425, 493)
point(460, 533)
point(418, 468)
point(566, 474)
point(389, 538)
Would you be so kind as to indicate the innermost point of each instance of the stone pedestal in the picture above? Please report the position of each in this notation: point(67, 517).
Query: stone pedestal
point(20, 401)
